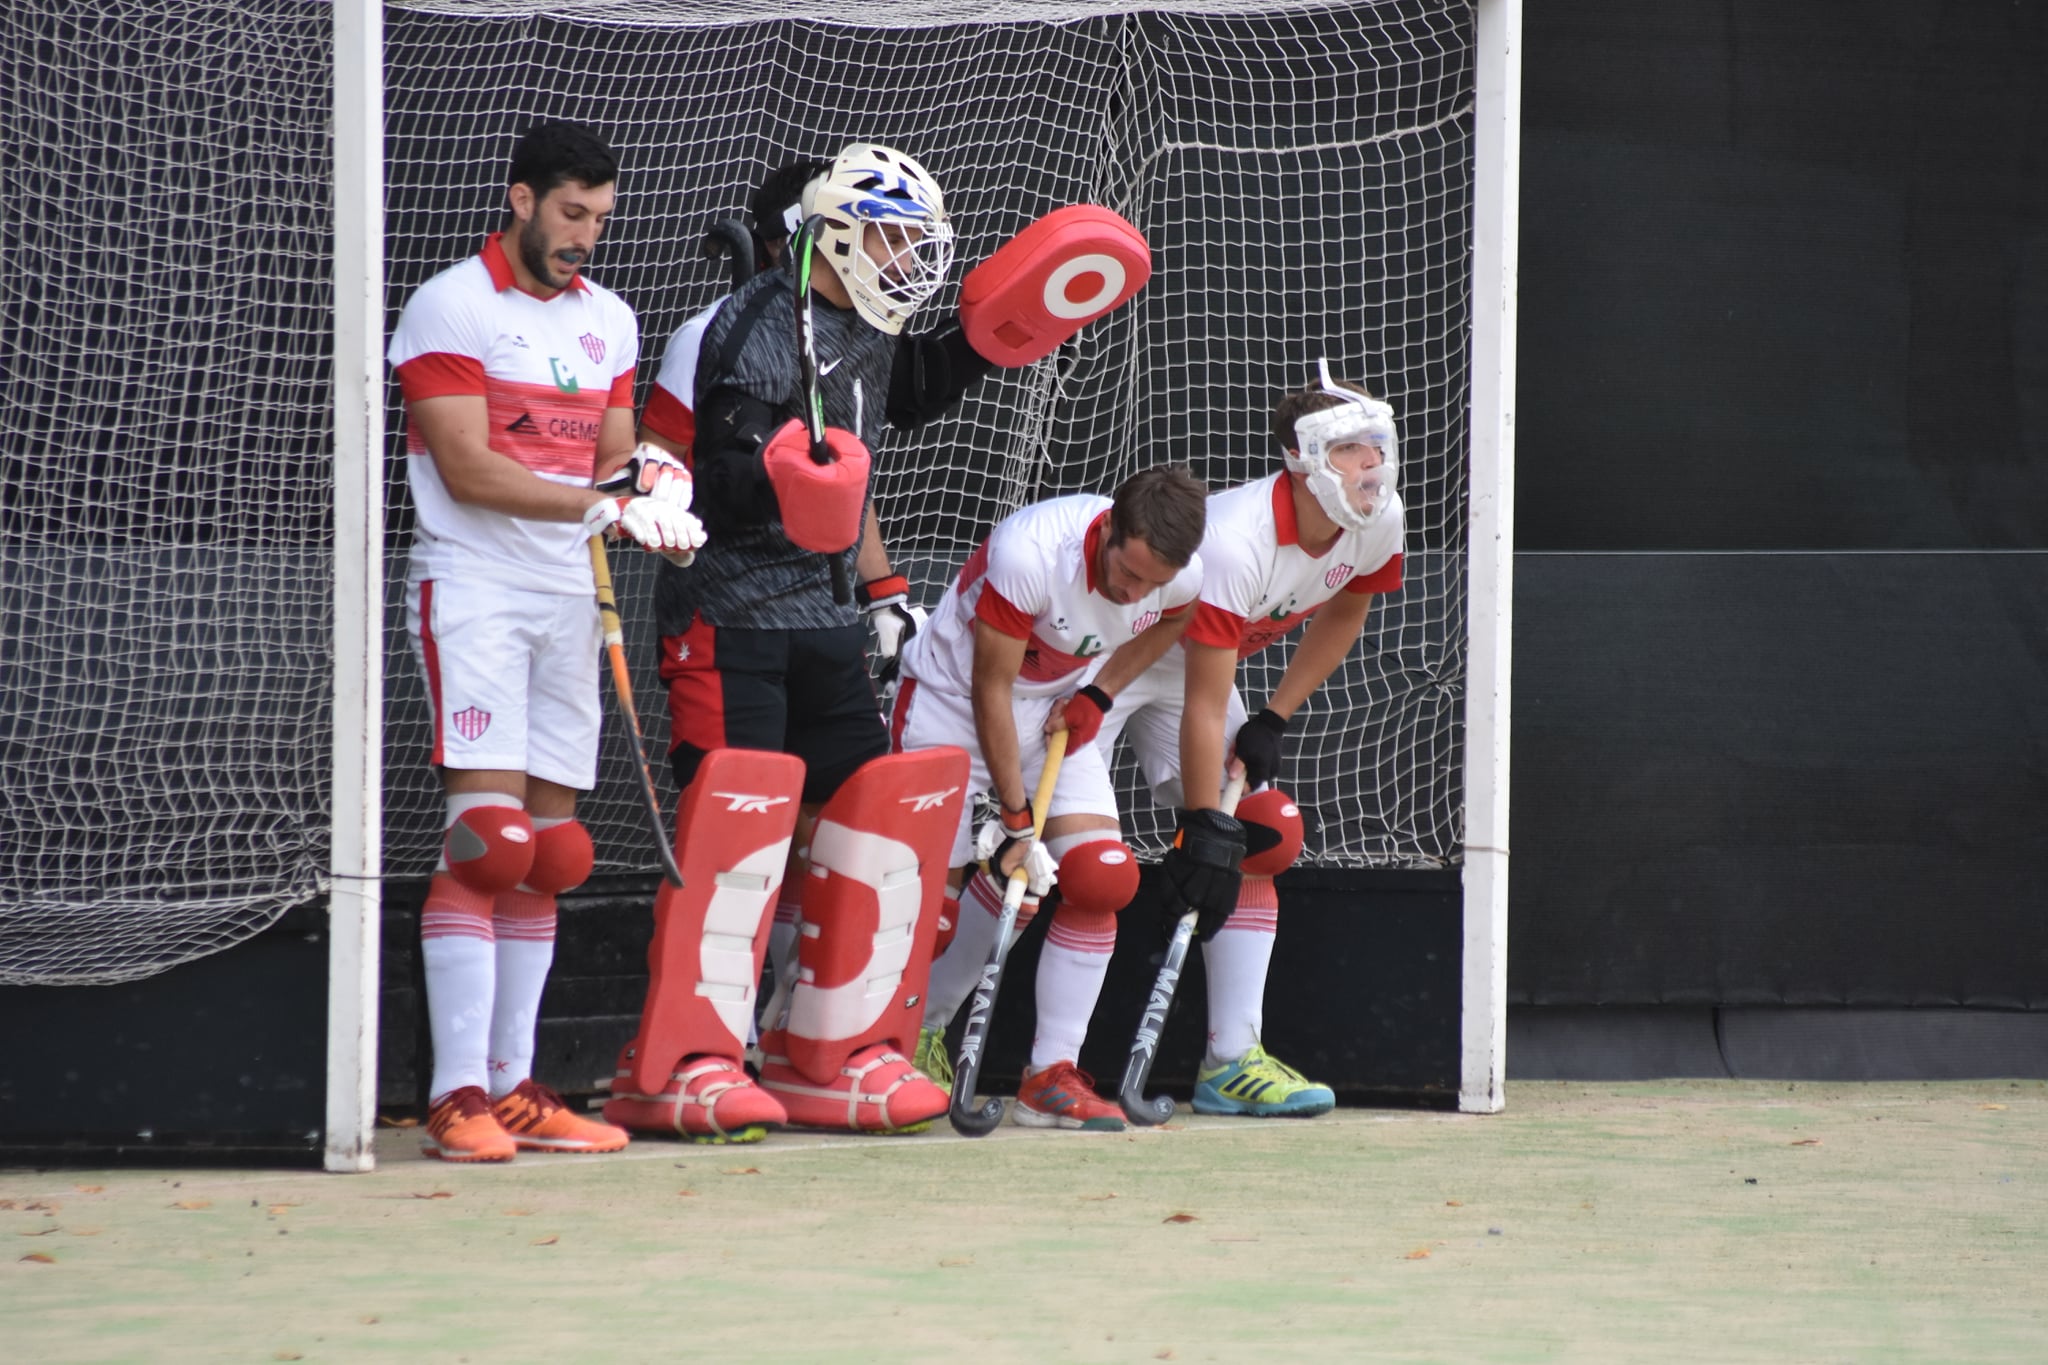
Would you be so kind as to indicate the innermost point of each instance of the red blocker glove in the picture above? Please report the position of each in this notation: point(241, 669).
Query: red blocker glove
point(821, 504)
point(1051, 280)
point(1084, 712)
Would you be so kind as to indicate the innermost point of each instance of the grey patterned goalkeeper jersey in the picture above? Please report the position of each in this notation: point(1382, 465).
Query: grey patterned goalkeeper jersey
point(752, 576)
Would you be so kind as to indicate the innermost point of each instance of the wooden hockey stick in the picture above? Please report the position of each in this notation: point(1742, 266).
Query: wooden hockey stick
point(966, 1118)
point(622, 685)
point(807, 368)
point(1145, 1046)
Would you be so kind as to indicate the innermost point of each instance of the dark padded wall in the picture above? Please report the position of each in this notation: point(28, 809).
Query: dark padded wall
point(1781, 690)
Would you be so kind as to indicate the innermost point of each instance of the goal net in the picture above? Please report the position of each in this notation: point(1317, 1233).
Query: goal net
point(1302, 172)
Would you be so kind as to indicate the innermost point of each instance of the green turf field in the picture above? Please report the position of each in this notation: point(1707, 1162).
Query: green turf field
point(1679, 1221)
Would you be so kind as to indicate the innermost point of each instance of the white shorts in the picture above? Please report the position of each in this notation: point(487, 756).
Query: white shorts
point(512, 677)
point(1149, 713)
point(925, 717)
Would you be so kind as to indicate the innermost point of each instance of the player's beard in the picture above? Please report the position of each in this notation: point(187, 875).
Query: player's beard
point(539, 262)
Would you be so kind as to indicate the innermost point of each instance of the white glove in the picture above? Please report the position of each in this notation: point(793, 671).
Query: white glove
point(654, 473)
point(659, 526)
point(993, 840)
point(895, 621)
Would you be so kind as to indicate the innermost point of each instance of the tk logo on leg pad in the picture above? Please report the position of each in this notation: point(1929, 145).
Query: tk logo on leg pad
point(748, 804)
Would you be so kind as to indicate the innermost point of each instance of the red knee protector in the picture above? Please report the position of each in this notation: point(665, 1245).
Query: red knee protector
point(871, 910)
point(710, 934)
point(1273, 832)
point(490, 848)
point(821, 504)
point(1049, 281)
point(562, 858)
point(1099, 877)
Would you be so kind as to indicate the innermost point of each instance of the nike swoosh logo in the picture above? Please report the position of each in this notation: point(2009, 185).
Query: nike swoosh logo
point(824, 370)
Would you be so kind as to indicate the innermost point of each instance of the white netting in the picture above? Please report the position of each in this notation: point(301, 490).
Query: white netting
point(1303, 175)
point(164, 479)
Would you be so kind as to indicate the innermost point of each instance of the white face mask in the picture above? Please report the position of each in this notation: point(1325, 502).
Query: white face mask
point(1358, 500)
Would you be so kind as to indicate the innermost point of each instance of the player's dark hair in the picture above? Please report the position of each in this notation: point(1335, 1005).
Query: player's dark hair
point(1295, 406)
point(772, 198)
point(1165, 506)
point(549, 153)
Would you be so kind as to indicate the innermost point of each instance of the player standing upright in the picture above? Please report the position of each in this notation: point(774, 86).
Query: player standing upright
point(517, 373)
point(1314, 543)
point(1066, 603)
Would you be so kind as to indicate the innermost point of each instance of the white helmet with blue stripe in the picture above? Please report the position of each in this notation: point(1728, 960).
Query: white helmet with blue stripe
point(885, 234)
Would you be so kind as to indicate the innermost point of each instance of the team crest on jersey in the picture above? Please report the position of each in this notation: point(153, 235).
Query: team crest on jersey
point(1338, 575)
point(593, 346)
point(470, 723)
point(1145, 622)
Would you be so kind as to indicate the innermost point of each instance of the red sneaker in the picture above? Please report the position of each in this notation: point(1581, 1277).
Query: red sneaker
point(1063, 1096)
point(708, 1099)
point(461, 1127)
point(539, 1121)
point(876, 1091)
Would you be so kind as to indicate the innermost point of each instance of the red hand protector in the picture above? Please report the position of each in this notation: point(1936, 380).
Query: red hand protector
point(1084, 713)
point(1051, 280)
point(821, 504)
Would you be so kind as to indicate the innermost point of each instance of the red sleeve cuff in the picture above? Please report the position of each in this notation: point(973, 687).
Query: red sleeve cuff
point(667, 418)
point(1002, 615)
point(622, 390)
point(439, 374)
point(1386, 578)
point(1214, 626)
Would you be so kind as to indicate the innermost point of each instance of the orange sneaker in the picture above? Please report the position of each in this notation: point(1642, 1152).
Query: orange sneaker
point(1063, 1096)
point(877, 1090)
point(461, 1127)
point(708, 1099)
point(539, 1121)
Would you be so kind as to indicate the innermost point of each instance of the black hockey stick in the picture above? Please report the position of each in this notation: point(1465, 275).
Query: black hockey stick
point(622, 684)
point(729, 237)
point(807, 367)
point(965, 1117)
point(1145, 1046)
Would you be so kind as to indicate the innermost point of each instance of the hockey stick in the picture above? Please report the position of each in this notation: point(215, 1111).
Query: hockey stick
point(1145, 1046)
point(807, 367)
point(622, 684)
point(728, 237)
point(966, 1119)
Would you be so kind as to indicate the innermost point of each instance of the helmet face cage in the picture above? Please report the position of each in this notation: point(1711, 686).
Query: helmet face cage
point(1354, 502)
point(885, 234)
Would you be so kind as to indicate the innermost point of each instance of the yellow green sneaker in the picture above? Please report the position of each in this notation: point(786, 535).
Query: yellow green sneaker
point(932, 1058)
point(1261, 1086)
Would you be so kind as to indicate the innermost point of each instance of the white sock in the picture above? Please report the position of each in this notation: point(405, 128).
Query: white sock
point(958, 969)
point(460, 971)
point(1071, 967)
point(1237, 960)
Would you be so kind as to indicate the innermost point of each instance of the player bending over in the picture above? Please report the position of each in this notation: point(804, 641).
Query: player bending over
point(760, 655)
point(1063, 605)
point(1313, 543)
point(517, 373)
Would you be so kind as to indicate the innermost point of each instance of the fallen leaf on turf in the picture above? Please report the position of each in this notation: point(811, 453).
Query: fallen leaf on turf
point(742, 1170)
point(41, 1206)
point(957, 1260)
point(38, 1232)
point(193, 1204)
point(90, 1189)
point(280, 1208)
point(368, 1320)
point(437, 1194)
point(40, 1259)
point(1806, 1142)
point(84, 1232)
point(1166, 1354)
point(1419, 1254)
point(1179, 1218)
point(1991, 1106)
point(546, 1241)
point(1454, 1203)
point(287, 1355)
point(686, 1194)
point(519, 1213)
point(1098, 1198)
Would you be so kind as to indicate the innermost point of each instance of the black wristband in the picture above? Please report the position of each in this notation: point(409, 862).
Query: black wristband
point(1103, 701)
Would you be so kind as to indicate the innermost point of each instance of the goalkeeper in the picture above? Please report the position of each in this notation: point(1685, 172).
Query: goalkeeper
point(517, 374)
point(1313, 543)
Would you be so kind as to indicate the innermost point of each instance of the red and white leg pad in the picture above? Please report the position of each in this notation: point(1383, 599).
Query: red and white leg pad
point(870, 917)
point(682, 1073)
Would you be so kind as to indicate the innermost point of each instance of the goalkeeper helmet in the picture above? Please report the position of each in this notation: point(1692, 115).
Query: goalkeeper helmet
point(1356, 497)
point(885, 232)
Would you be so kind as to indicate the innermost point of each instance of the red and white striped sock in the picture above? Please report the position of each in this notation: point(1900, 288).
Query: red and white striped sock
point(1071, 967)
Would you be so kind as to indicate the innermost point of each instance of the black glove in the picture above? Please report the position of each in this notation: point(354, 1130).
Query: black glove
point(1258, 748)
point(1202, 870)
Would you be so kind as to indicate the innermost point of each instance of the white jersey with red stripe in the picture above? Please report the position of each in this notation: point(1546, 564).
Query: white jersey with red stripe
point(671, 411)
point(547, 370)
point(1258, 583)
point(1033, 579)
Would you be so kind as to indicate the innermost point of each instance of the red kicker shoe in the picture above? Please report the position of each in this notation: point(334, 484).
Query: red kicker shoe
point(461, 1127)
point(708, 1099)
point(876, 1091)
point(539, 1121)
